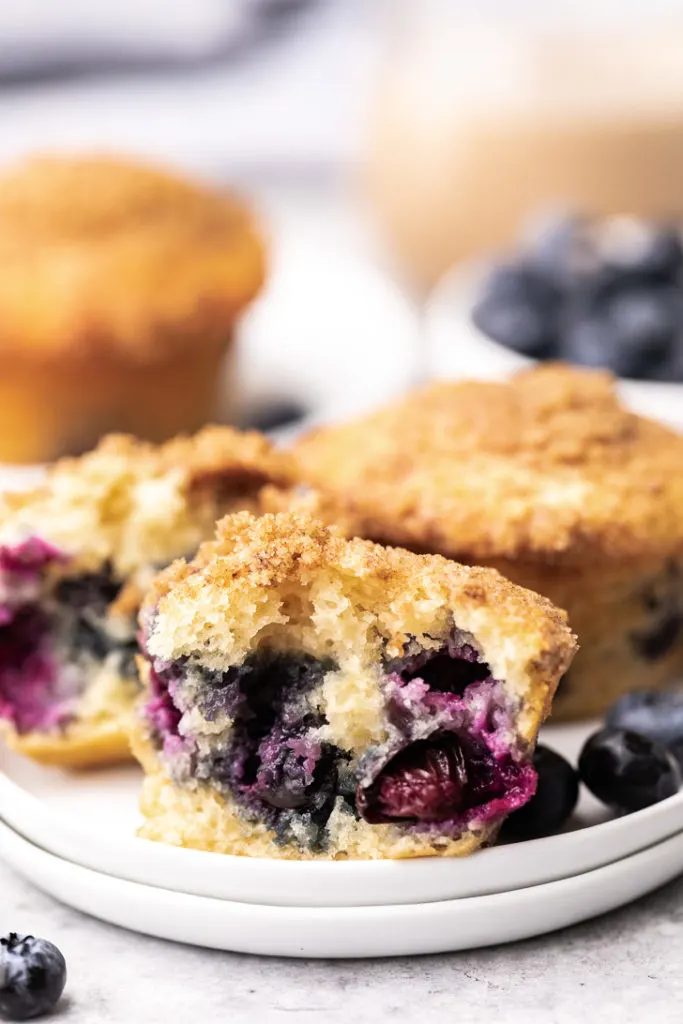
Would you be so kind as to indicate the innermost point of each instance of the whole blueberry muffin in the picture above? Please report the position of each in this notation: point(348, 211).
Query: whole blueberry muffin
point(309, 696)
point(545, 477)
point(120, 291)
point(75, 558)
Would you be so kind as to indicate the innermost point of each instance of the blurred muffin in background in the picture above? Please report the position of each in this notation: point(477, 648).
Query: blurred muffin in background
point(120, 290)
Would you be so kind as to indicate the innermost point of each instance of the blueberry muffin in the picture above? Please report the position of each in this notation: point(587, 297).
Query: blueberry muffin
point(545, 477)
point(75, 558)
point(120, 289)
point(309, 696)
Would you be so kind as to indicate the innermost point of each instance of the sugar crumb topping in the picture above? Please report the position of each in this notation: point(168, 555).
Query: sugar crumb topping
point(546, 465)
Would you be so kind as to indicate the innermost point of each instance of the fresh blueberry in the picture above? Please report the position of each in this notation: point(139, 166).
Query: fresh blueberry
point(557, 250)
point(32, 976)
point(645, 324)
point(659, 258)
point(557, 792)
point(659, 716)
point(628, 771)
point(670, 370)
point(631, 333)
point(589, 342)
point(518, 309)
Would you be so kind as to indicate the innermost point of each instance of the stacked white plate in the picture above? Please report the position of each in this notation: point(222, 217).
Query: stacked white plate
point(73, 835)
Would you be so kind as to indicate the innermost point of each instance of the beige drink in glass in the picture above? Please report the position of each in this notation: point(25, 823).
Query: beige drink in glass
point(480, 121)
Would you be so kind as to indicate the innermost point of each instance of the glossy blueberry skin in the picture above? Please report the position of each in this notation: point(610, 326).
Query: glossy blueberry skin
point(569, 297)
point(659, 716)
point(662, 259)
point(554, 251)
point(518, 309)
point(633, 333)
point(627, 771)
point(32, 977)
point(556, 796)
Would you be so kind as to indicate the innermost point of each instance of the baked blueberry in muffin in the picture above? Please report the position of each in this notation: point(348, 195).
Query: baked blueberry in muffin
point(547, 478)
point(75, 558)
point(309, 696)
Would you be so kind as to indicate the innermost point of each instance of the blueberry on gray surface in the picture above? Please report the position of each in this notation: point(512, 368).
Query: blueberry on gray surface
point(627, 771)
point(32, 976)
point(556, 796)
point(657, 715)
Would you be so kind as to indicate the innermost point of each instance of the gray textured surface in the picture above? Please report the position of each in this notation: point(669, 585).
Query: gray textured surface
point(626, 967)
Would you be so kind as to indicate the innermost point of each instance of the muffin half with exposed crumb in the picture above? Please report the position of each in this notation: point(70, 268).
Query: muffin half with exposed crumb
point(120, 290)
point(75, 558)
point(546, 477)
point(309, 696)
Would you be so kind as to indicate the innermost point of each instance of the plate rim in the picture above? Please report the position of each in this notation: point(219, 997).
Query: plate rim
point(350, 883)
point(324, 932)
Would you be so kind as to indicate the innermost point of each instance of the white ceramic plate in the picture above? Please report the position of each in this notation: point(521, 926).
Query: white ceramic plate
point(399, 930)
point(90, 819)
point(456, 348)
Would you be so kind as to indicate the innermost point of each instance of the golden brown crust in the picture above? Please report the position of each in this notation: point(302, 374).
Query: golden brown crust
point(269, 551)
point(83, 745)
point(107, 254)
point(134, 504)
point(547, 466)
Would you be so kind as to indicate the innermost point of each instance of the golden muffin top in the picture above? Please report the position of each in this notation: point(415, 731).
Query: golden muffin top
point(134, 504)
point(107, 255)
point(287, 578)
point(548, 465)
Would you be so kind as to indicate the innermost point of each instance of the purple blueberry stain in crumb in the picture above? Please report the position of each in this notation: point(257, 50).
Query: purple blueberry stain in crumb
point(457, 760)
point(27, 558)
point(27, 670)
point(453, 761)
point(161, 712)
point(47, 637)
point(273, 764)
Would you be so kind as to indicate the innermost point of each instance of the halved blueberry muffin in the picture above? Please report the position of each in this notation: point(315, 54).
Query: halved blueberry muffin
point(309, 696)
point(546, 477)
point(75, 558)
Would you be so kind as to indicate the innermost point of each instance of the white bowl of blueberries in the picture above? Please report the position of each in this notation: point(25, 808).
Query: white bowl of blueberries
point(603, 293)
